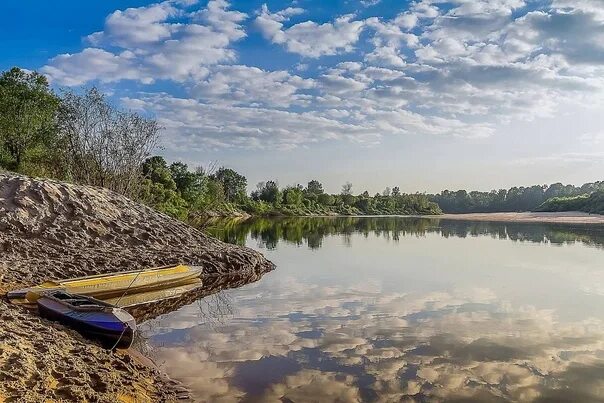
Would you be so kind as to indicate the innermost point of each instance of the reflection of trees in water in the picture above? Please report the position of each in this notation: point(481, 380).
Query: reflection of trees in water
point(214, 308)
point(311, 231)
point(218, 306)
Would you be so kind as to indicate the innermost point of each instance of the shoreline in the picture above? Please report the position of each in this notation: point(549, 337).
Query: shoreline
point(566, 217)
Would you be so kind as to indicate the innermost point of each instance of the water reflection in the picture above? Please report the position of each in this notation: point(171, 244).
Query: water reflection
point(450, 312)
point(374, 347)
point(311, 232)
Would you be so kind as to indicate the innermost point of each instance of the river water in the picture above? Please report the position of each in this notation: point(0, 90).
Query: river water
point(397, 309)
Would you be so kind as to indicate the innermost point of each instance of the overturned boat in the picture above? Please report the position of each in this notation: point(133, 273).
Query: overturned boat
point(106, 286)
point(95, 319)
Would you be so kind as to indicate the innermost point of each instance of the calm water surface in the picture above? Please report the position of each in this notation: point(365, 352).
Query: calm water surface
point(398, 309)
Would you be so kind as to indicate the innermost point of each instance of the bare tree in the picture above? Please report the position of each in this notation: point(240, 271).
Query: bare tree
point(106, 146)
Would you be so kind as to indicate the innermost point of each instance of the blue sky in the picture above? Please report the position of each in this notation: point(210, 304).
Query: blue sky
point(424, 95)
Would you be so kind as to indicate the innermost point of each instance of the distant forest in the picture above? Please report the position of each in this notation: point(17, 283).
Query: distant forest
point(82, 138)
point(517, 198)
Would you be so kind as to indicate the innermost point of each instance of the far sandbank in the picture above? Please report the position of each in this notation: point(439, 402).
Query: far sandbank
point(567, 217)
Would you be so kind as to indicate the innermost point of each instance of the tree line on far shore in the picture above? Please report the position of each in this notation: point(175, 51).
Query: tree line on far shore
point(81, 137)
point(529, 198)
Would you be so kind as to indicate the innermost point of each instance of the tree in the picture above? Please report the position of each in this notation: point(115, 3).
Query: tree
point(234, 184)
point(105, 146)
point(292, 196)
point(314, 187)
point(325, 199)
point(28, 112)
point(396, 191)
point(346, 194)
point(158, 189)
point(191, 185)
point(156, 170)
point(347, 189)
point(268, 192)
point(386, 192)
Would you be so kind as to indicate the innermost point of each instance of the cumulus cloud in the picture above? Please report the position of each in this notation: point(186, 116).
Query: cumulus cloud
point(309, 38)
point(458, 68)
point(153, 46)
point(244, 85)
point(137, 26)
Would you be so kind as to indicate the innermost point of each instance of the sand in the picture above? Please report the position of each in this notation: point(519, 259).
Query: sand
point(568, 217)
point(50, 229)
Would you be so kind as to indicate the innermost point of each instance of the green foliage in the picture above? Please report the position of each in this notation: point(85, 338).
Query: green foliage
point(268, 192)
point(314, 187)
point(513, 199)
point(233, 184)
point(589, 203)
point(29, 139)
point(293, 196)
point(325, 199)
point(163, 199)
point(156, 170)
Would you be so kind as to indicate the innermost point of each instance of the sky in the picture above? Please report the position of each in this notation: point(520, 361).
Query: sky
point(425, 95)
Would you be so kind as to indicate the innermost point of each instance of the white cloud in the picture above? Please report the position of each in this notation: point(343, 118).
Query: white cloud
point(94, 64)
point(137, 26)
point(457, 68)
point(308, 38)
point(152, 46)
point(243, 85)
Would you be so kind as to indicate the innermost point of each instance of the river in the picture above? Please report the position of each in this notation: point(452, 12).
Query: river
point(382, 309)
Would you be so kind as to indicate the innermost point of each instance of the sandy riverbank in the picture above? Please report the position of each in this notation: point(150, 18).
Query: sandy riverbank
point(569, 217)
point(50, 229)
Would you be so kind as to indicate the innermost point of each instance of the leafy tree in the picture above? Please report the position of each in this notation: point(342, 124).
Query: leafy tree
point(325, 199)
point(293, 196)
point(214, 193)
point(268, 192)
point(347, 197)
point(314, 187)
point(163, 199)
point(396, 191)
point(156, 169)
point(189, 184)
point(158, 189)
point(234, 184)
point(28, 124)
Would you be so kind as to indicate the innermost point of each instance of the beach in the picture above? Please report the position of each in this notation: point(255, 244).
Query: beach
point(568, 217)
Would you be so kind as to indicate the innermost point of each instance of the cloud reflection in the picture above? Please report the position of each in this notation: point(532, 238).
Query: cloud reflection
point(331, 344)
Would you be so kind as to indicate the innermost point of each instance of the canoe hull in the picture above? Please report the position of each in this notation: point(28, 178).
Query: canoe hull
point(114, 284)
point(112, 326)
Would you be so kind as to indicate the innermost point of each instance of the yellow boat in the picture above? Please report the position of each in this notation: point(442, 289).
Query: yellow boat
point(104, 286)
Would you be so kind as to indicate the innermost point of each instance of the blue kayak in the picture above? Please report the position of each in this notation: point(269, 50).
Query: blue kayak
point(92, 318)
